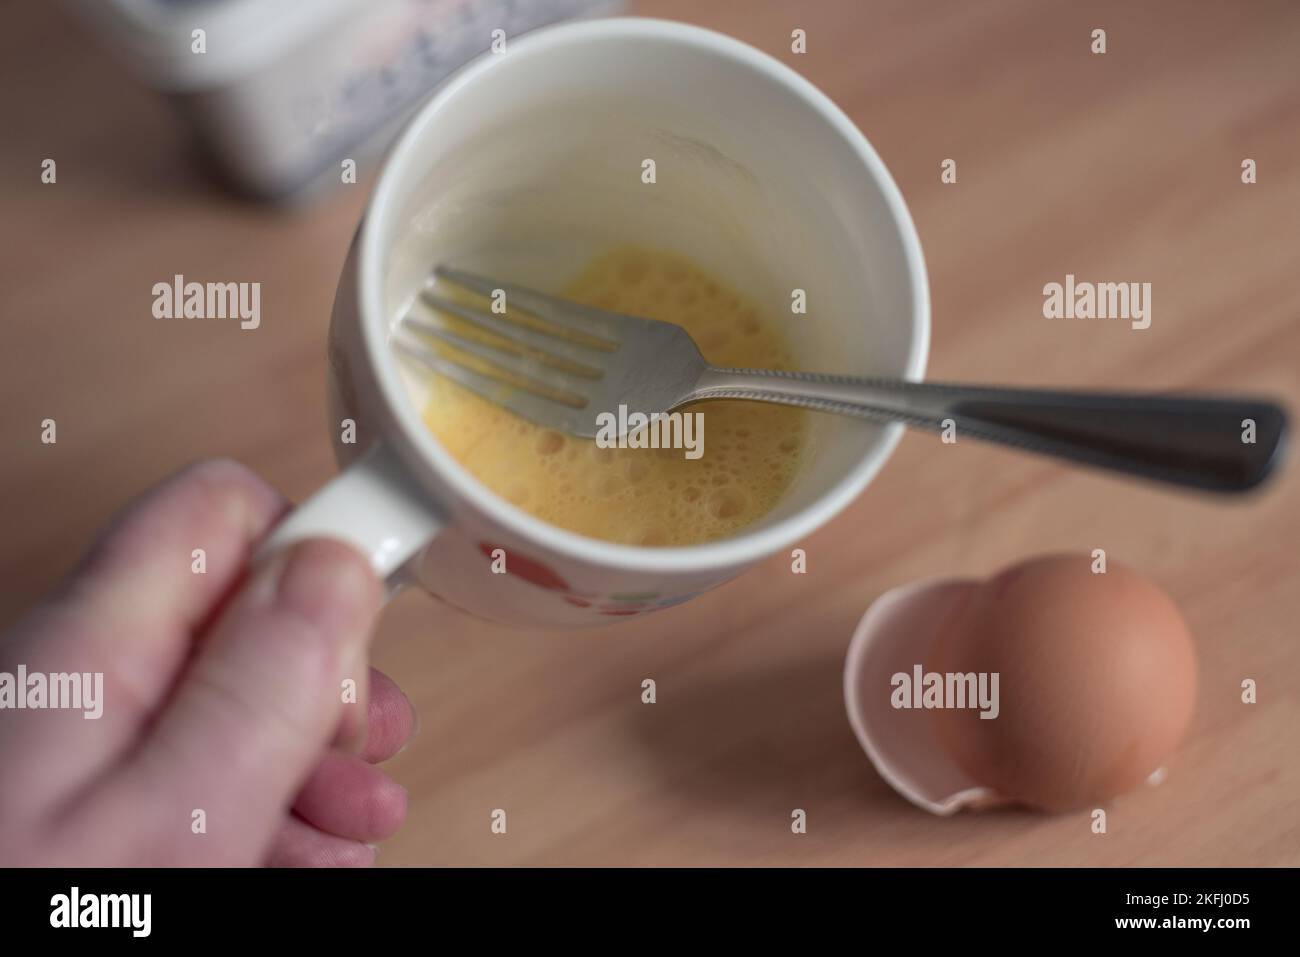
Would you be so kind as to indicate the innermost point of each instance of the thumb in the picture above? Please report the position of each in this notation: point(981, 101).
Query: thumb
point(261, 700)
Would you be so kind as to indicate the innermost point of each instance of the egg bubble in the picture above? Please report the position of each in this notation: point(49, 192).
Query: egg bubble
point(549, 442)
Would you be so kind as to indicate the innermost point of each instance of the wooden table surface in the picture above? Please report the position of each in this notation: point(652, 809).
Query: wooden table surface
point(1119, 167)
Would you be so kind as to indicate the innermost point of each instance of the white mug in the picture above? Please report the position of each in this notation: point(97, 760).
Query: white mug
point(524, 165)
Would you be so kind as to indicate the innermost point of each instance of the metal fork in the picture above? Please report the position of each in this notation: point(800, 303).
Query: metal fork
point(579, 362)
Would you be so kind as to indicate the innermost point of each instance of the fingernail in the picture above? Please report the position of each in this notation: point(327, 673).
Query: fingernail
point(415, 725)
point(330, 585)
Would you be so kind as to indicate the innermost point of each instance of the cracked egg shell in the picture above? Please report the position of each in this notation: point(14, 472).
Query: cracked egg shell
point(1097, 681)
point(899, 631)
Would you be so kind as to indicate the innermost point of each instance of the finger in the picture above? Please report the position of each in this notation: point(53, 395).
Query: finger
point(127, 613)
point(261, 700)
point(350, 798)
point(298, 844)
point(391, 717)
point(218, 506)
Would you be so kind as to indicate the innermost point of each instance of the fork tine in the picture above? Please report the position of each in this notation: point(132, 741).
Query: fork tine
point(541, 409)
point(568, 315)
point(523, 366)
point(545, 344)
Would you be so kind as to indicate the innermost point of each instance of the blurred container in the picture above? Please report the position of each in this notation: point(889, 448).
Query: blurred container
point(288, 88)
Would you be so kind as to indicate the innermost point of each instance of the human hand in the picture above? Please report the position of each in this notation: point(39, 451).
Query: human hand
point(223, 693)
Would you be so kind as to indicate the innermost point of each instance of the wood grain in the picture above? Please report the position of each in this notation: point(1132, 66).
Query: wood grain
point(1117, 167)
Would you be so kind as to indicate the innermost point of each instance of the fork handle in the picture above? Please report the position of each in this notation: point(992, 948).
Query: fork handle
point(1192, 440)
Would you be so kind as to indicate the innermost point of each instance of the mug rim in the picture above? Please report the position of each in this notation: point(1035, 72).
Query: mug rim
point(427, 457)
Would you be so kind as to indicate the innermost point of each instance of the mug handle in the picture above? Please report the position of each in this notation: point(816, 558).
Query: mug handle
point(371, 505)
